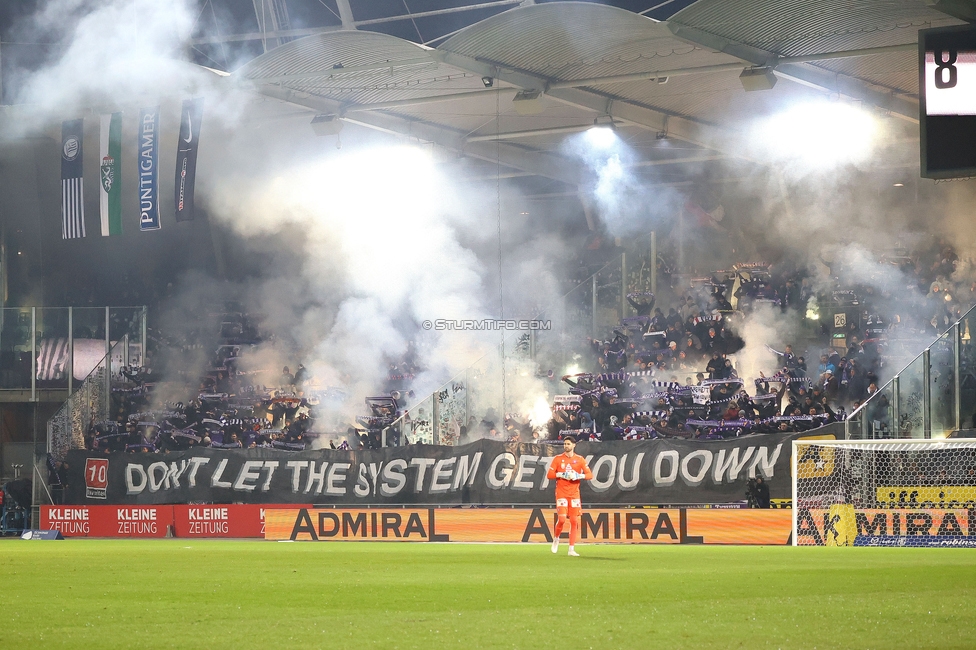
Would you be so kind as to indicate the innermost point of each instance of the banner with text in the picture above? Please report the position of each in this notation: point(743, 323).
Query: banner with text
point(624, 526)
point(845, 525)
point(186, 157)
point(670, 472)
point(230, 520)
point(148, 144)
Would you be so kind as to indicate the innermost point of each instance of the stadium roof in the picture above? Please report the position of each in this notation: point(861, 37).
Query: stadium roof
point(559, 67)
point(665, 73)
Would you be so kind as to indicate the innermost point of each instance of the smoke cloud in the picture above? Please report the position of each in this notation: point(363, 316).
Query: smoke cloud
point(356, 247)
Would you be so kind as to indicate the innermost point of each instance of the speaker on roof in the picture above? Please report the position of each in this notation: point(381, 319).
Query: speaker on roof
point(529, 102)
point(757, 79)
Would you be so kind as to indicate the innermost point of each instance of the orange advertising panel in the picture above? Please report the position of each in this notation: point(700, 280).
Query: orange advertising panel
point(844, 525)
point(626, 526)
point(756, 527)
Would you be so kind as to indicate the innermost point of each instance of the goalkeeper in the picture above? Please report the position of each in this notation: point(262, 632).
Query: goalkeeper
point(568, 470)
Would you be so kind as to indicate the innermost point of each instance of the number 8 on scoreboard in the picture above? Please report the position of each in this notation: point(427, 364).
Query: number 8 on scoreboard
point(947, 101)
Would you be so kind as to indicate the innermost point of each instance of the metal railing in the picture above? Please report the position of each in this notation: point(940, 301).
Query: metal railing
point(931, 396)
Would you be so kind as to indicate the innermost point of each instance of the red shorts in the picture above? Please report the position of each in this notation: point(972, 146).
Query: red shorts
point(569, 507)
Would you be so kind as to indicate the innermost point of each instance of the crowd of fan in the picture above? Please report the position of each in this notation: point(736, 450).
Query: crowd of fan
point(663, 372)
point(634, 389)
point(226, 413)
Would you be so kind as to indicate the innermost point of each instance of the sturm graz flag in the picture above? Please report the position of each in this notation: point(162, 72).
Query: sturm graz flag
point(110, 174)
point(186, 157)
point(72, 180)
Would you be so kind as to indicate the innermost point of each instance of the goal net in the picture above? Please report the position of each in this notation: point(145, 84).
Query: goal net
point(884, 493)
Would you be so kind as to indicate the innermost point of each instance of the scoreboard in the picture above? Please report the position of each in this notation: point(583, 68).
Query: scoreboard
point(947, 101)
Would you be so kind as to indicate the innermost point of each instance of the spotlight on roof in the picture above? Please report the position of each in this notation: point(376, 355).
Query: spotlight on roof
point(529, 102)
point(326, 124)
point(757, 79)
point(602, 135)
point(488, 81)
point(898, 185)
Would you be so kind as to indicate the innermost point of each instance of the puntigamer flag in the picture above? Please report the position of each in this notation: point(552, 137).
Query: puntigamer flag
point(72, 180)
point(186, 157)
point(148, 168)
point(110, 174)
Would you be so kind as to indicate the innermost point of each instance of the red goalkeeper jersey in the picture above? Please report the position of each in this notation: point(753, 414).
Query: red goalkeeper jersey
point(566, 489)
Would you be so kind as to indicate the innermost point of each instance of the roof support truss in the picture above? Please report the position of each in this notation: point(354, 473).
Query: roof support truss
point(509, 155)
point(637, 114)
point(807, 75)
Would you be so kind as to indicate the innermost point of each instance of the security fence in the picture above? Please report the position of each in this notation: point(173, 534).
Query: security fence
point(930, 397)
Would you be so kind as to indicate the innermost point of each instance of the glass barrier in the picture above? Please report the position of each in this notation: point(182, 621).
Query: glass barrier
point(15, 347)
point(878, 415)
point(45, 348)
point(96, 399)
point(910, 398)
point(941, 382)
point(931, 396)
point(967, 372)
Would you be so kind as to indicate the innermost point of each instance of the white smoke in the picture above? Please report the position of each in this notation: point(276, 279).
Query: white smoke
point(381, 239)
point(628, 204)
point(764, 326)
point(114, 50)
point(380, 243)
point(814, 136)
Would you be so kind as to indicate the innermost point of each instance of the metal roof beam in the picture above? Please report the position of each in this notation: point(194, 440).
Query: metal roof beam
point(438, 12)
point(347, 23)
point(531, 133)
point(418, 101)
point(961, 9)
point(539, 163)
point(855, 89)
point(724, 67)
point(331, 73)
point(848, 54)
point(345, 14)
point(644, 76)
point(649, 118)
point(813, 77)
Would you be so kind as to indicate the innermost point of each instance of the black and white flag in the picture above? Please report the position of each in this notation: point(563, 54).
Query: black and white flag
point(186, 157)
point(72, 180)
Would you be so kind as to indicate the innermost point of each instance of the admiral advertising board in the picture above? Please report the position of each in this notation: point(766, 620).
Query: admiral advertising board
point(618, 526)
point(845, 525)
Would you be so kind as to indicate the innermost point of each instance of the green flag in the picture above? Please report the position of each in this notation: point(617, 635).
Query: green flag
point(110, 174)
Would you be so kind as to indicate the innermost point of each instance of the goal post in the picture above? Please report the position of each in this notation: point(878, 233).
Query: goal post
point(884, 492)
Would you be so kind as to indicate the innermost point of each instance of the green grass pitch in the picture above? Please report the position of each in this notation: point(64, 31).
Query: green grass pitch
point(254, 594)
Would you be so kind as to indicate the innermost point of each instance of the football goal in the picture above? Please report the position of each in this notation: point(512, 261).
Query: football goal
point(884, 492)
